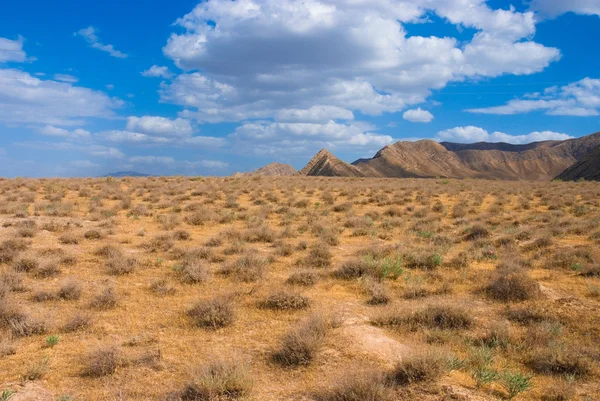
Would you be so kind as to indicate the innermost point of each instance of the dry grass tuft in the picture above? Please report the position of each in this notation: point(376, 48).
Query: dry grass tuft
point(418, 369)
point(362, 386)
point(300, 345)
point(213, 313)
point(512, 287)
point(104, 361)
point(218, 380)
point(285, 300)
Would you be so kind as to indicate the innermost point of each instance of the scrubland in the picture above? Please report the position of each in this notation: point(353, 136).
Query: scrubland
point(303, 288)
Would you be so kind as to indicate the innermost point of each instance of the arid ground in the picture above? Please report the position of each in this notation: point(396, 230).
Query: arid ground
point(299, 288)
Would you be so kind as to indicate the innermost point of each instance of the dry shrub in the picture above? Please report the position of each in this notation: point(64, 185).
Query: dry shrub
point(213, 313)
point(181, 235)
point(361, 386)
point(433, 317)
point(49, 269)
point(69, 238)
point(103, 361)
point(377, 292)
point(561, 391)
point(193, 273)
point(423, 259)
point(355, 268)
point(418, 369)
point(247, 268)
point(259, 234)
point(199, 218)
point(20, 323)
point(70, 290)
point(162, 288)
point(43, 296)
point(7, 346)
point(93, 235)
point(319, 256)
point(527, 315)
point(303, 278)
point(216, 381)
point(559, 361)
point(11, 281)
point(477, 232)
point(512, 287)
point(109, 251)
point(300, 345)
point(120, 265)
point(160, 243)
point(285, 300)
point(591, 271)
point(77, 322)
point(107, 299)
point(25, 265)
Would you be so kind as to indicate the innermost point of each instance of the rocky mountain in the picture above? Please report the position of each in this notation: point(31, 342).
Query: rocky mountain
point(539, 161)
point(275, 169)
point(327, 165)
point(588, 168)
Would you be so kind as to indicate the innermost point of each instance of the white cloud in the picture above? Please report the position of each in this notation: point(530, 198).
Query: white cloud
point(470, 134)
point(157, 71)
point(160, 126)
point(28, 99)
point(581, 98)
point(144, 139)
point(89, 34)
point(50, 130)
point(12, 50)
point(152, 160)
point(110, 87)
point(266, 138)
point(83, 164)
point(106, 152)
point(418, 116)
point(314, 114)
point(66, 78)
point(553, 8)
point(307, 60)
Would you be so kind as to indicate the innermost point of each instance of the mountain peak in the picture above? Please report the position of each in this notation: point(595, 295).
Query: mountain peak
point(324, 163)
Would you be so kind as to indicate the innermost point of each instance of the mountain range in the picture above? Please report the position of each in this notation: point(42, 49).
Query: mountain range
point(570, 159)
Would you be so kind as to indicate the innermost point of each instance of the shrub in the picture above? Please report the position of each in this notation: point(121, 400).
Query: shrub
point(247, 268)
point(300, 345)
point(107, 299)
point(120, 265)
point(513, 287)
point(69, 238)
point(49, 269)
point(162, 287)
point(101, 362)
point(76, 322)
point(93, 235)
point(319, 256)
point(108, 251)
point(26, 265)
point(193, 273)
point(418, 369)
point(362, 386)
point(212, 314)
point(181, 235)
point(377, 293)
point(283, 300)
point(43, 296)
point(218, 380)
point(303, 278)
point(70, 290)
point(434, 317)
point(477, 232)
point(557, 361)
point(515, 383)
point(423, 260)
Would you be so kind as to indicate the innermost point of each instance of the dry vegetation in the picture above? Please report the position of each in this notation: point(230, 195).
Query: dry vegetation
point(300, 289)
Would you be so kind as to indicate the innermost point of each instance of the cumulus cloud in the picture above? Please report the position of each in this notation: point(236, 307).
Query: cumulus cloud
point(307, 60)
point(12, 50)
point(418, 116)
point(157, 71)
point(89, 34)
point(78, 133)
point(471, 134)
point(581, 99)
point(553, 8)
point(267, 138)
point(28, 99)
point(160, 126)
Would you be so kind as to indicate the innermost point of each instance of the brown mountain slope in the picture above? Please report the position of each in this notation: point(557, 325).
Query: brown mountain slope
point(588, 168)
point(327, 165)
point(426, 158)
point(276, 169)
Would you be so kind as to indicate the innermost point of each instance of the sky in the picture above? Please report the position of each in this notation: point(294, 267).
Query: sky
point(220, 86)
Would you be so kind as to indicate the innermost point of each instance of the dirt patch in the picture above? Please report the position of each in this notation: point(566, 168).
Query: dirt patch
point(28, 391)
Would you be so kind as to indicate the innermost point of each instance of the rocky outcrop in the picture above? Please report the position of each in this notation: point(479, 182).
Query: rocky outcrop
point(327, 165)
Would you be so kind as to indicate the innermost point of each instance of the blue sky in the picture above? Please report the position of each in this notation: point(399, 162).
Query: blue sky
point(219, 86)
